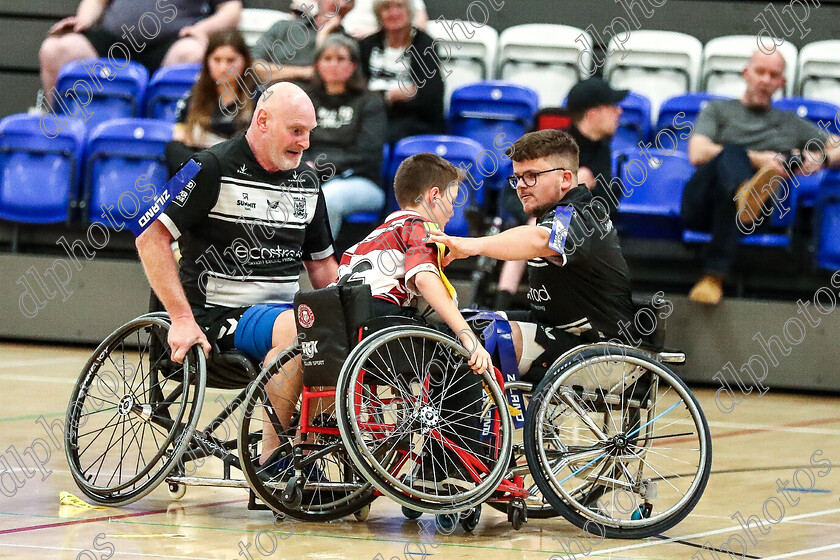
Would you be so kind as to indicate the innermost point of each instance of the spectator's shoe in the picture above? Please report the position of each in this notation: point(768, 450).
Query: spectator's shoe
point(751, 196)
point(709, 290)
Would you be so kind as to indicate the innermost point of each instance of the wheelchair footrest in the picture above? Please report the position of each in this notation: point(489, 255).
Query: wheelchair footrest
point(203, 481)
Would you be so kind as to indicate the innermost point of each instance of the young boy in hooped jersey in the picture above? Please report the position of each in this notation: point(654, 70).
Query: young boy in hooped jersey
point(398, 261)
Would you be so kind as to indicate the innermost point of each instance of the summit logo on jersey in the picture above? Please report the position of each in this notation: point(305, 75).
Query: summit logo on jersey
point(243, 170)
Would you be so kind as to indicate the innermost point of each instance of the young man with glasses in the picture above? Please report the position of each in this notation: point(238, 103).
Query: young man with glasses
point(579, 289)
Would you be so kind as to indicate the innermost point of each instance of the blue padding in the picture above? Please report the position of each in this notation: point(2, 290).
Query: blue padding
point(253, 333)
point(155, 208)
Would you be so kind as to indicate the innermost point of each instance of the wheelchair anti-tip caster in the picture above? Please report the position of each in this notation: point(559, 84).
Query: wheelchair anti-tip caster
point(469, 519)
point(292, 494)
point(362, 514)
point(643, 511)
point(411, 513)
point(446, 522)
point(177, 491)
point(517, 514)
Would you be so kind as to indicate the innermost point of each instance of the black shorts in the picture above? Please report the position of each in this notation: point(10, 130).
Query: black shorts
point(151, 56)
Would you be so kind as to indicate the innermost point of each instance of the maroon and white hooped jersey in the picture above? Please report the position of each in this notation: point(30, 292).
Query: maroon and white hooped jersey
point(389, 257)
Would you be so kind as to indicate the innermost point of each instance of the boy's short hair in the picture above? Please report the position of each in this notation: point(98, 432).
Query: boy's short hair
point(419, 173)
point(546, 144)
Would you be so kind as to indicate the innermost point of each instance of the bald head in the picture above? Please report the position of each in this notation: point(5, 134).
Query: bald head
point(764, 75)
point(775, 59)
point(280, 127)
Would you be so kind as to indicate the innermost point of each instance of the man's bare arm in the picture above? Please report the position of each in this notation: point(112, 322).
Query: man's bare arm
point(701, 149)
point(153, 245)
point(226, 17)
point(516, 244)
point(322, 272)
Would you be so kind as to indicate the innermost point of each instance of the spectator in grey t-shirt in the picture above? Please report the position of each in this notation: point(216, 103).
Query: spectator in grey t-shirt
point(743, 149)
point(154, 34)
point(287, 49)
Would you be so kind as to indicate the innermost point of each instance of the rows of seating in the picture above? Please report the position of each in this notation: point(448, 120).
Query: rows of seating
point(92, 173)
point(658, 64)
point(113, 89)
point(76, 176)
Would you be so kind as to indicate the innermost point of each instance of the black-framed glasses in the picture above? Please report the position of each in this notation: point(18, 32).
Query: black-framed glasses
point(530, 177)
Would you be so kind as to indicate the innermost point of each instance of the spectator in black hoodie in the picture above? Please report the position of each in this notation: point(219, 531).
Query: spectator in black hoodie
point(350, 131)
point(400, 61)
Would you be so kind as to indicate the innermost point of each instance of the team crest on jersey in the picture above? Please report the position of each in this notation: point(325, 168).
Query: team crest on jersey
point(299, 207)
point(306, 317)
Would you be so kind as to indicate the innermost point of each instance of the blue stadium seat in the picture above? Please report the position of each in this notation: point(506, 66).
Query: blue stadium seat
point(112, 92)
point(167, 86)
point(461, 152)
point(38, 175)
point(783, 224)
point(494, 114)
point(634, 124)
point(653, 208)
point(691, 104)
point(811, 110)
point(373, 217)
point(828, 227)
point(122, 156)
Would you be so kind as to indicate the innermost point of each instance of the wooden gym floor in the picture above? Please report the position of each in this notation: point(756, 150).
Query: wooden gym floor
point(759, 442)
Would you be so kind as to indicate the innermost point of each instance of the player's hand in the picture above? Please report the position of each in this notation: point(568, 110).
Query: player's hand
point(480, 361)
point(459, 247)
point(183, 335)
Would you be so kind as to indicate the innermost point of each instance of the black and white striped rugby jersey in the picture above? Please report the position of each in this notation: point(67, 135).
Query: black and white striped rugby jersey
point(244, 232)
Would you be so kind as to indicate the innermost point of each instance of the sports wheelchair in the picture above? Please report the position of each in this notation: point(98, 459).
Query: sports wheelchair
point(131, 424)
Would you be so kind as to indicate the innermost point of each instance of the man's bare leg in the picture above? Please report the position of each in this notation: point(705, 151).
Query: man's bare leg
point(284, 387)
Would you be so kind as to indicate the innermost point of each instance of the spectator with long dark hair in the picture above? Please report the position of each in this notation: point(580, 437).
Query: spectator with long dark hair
point(350, 132)
point(221, 102)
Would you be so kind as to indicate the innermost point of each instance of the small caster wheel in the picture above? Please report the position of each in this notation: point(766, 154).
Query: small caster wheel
point(292, 495)
point(446, 522)
point(469, 519)
point(362, 514)
point(517, 514)
point(515, 518)
point(177, 491)
point(643, 512)
point(411, 513)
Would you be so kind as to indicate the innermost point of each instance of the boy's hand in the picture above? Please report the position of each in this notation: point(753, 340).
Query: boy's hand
point(480, 361)
point(459, 247)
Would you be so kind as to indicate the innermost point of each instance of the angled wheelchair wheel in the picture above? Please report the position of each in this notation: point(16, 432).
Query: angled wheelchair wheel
point(415, 420)
point(132, 412)
point(618, 444)
point(309, 478)
point(536, 504)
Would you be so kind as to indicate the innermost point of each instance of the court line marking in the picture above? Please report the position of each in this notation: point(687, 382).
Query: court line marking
point(801, 552)
point(715, 532)
point(108, 518)
point(396, 541)
point(44, 362)
point(119, 553)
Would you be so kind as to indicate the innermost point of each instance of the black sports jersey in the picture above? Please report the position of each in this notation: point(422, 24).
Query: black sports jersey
point(244, 231)
point(585, 289)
